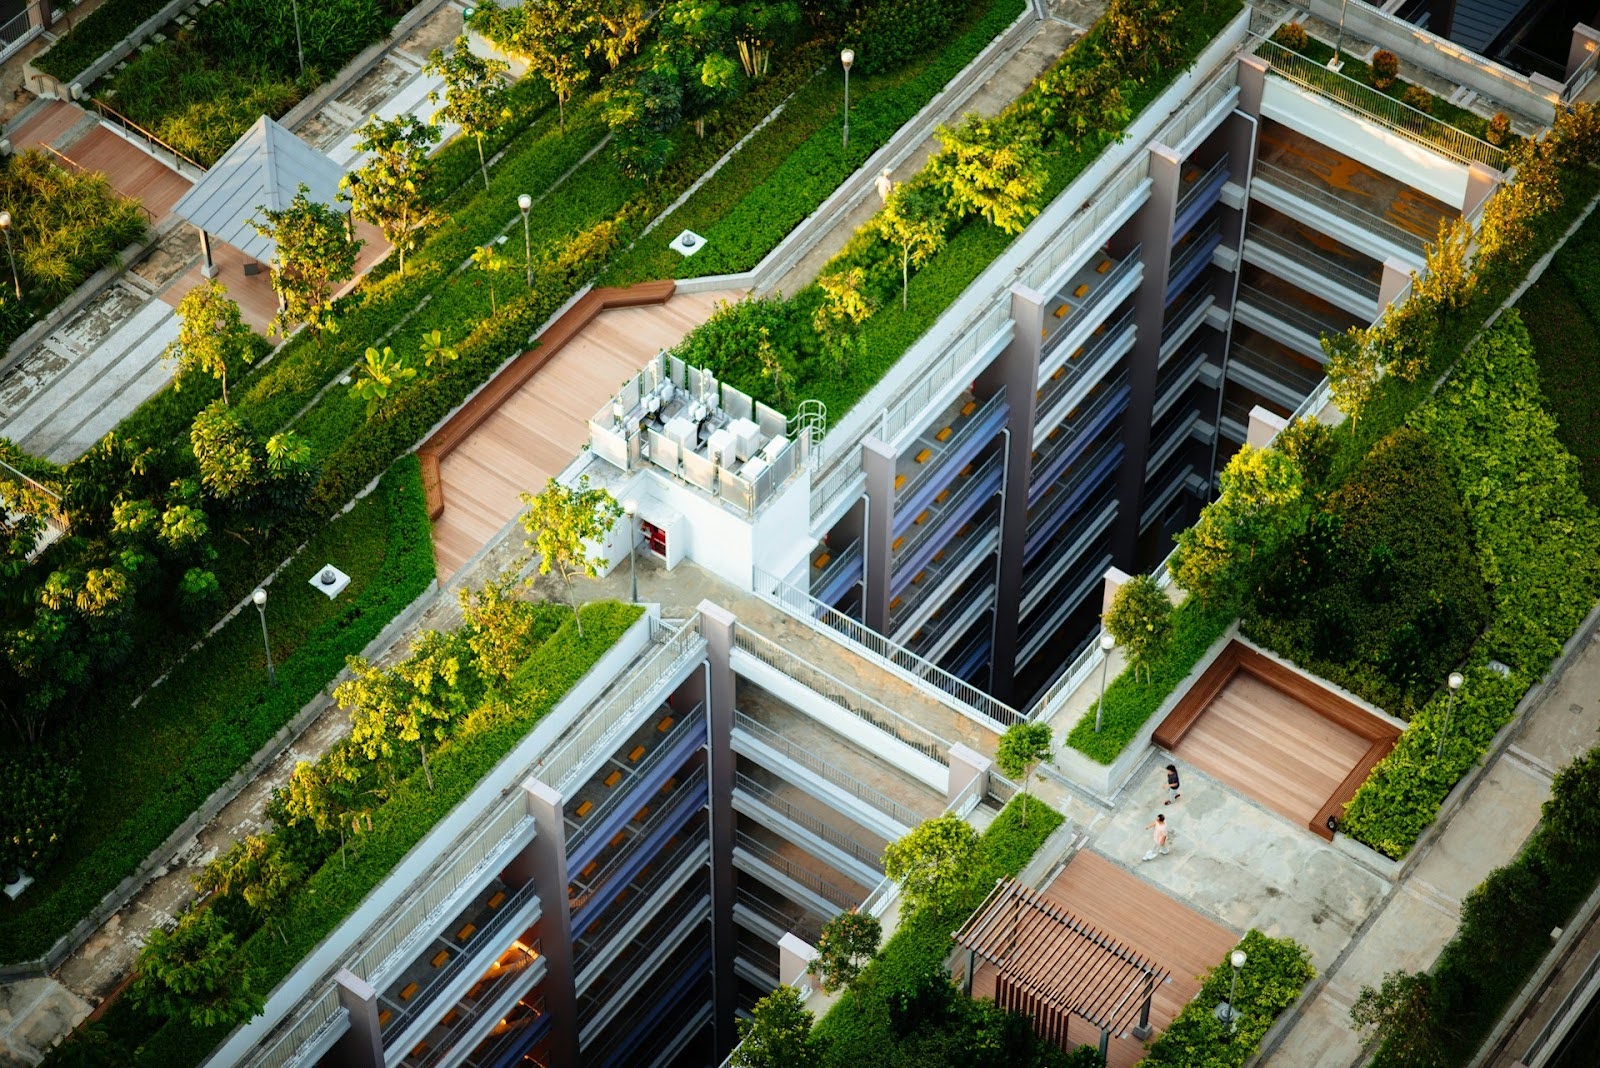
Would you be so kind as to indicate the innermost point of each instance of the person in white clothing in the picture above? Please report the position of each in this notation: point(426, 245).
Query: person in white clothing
point(1163, 836)
point(885, 185)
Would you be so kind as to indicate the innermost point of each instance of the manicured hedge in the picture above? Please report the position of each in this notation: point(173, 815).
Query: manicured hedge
point(215, 710)
point(1275, 974)
point(857, 1029)
point(94, 35)
point(411, 811)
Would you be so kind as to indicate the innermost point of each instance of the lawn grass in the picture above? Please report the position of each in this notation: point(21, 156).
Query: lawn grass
point(1562, 314)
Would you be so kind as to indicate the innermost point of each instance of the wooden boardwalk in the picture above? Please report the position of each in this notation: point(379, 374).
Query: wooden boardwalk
point(539, 430)
point(1271, 747)
point(63, 131)
point(1146, 920)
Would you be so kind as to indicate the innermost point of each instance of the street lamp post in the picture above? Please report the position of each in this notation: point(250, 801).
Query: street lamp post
point(5, 224)
point(1334, 64)
point(631, 507)
point(1454, 682)
point(260, 599)
point(1107, 643)
point(298, 47)
point(525, 205)
point(1237, 959)
point(847, 57)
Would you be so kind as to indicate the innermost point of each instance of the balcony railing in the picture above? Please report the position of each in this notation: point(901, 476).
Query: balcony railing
point(976, 487)
point(845, 843)
point(669, 813)
point(622, 793)
point(800, 924)
point(824, 770)
point(980, 589)
point(1190, 262)
point(1286, 312)
point(598, 993)
point(975, 431)
point(830, 893)
point(1416, 126)
point(1212, 180)
point(1053, 389)
point(1324, 266)
point(323, 1013)
point(662, 871)
point(1091, 304)
point(1284, 371)
point(1107, 204)
point(842, 694)
point(1293, 183)
point(950, 367)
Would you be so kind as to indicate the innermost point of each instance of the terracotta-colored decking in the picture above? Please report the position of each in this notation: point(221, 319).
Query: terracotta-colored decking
point(1146, 920)
point(130, 170)
point(539, 429)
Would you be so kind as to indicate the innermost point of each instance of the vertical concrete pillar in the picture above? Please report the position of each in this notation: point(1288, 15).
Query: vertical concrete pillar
point(1264, 426)
point(209, 270)
point(1017, 370)
point(1585, 42)
point(795, 955)
point(716, 626)
point(877, 460)
point(1252, 83)
point(966, 765)
point(1115, 579)
point(1482, 181)
point(1396, 276)
point(362, 1045)
point(548, 859)
point(1153, 227)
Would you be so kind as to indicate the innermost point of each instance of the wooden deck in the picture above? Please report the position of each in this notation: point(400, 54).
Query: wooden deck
point(535, 434)
point(1148, 921)
point(130, 170)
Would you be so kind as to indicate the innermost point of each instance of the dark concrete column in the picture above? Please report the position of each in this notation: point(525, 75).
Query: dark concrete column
point(548, 857)
point(1152, 228)
point(210, 268)
point(362, 1045)
point(877, 460)
point(716, 626)
point(1252, 83)
point(1017, 370)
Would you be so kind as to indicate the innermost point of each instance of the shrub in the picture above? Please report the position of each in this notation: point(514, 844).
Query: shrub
point(1419, 98)
point(1499, 128)
point(38, 795)
point(1292, 36)
point(1385, 69)
point(93, 36)
point(887, 33)
point(1140, 620)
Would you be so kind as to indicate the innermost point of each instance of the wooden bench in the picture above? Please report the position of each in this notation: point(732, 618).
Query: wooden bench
point(498, 899)
point(944, 435)
point(614, 778)
point(484, 403)
point(633, 757)
point(466, 932)
point(440, 957)
point(409, 992)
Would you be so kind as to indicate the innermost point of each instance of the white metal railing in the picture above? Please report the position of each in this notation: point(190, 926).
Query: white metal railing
point(868, 709)
point(952, 365)
point(834, 895)
point(840, 840)
point(976, 485)
point(17, 31)
point(317, 1016)
point(1580, 78)
point(664, 747)
point(1221, 85)
point(605, 722)
point(1197, 185)
point(1068, 248)
point(838, 481)
point(443, 890)
point(1333, 271)
point(822, 769)
point(1291, 182)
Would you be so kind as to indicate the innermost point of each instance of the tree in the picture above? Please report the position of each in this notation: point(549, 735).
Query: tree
point(497, 625)
point(326, 795)
point(386, 190)
point(932, 861)
point(489, 260)
point(379, 373)
point(777, 1034)
point(315, 252)
point(1261, 504)
point(1023, 747)
point(619, 27)
point(230, 467)
point(554, 36)
point(254, 877)
point(413, 703)
point(848, 942)
point(212, 338)
point(991, 167)
point(1403, 1016)
point(1353, 371)
point(915, 218)
point(194, 972)
point(474, 93)
point(845, 305)
point(292, 473)
point(1140, 620)
point(563, 522)
point(39, 794)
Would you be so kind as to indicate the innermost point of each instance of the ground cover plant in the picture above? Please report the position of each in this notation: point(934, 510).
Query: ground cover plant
point(539, 654)
point(93, 35)
point(216, 708)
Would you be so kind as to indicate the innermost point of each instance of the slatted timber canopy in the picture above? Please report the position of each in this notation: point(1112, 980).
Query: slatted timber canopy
point(1060, 964)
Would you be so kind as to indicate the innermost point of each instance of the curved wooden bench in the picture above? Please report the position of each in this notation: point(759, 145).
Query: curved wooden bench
point(555, 337)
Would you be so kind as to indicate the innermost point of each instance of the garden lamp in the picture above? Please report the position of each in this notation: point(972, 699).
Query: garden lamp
point(5, 224)
point(298, 47)
point(525, 205)
point(260, 599)
point(1237, 959)
point(631, 507)
point(847, 57)
point(1107, 643)
point(1454, 683)
point(1334, 64)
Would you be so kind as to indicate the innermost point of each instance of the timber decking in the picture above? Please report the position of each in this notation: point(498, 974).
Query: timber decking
point(1277, 736)
point(518, 437)
point(1147, 921)
point(65, 128)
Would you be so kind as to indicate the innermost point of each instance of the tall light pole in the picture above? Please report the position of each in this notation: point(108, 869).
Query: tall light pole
point(1454, 682)
point(1334, 64)
point(1107, 643)
point(631, 507)
point(525, 205)
point(260, 599)
point(5, 224)
point(1237, 959)
point(298, 47)
point(847, 57)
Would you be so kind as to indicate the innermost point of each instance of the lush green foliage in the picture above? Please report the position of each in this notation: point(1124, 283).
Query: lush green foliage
point(848, 942)
point(931, 861)
point(38, 797)
point(777, 1034)
point(1505, 924)
point(94, 35)
point(1381, 592)
point(1140, 619)
point(1276, 972)
point(215, 709)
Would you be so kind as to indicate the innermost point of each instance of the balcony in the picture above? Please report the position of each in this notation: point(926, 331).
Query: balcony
point(1184, 479)
point(1084, 534)
point(835, 573)
point(1062, 500)
point(598, 944)
point(1181, 324)
point(1064, 387)
point(1175, 379)
point(515, 1038)
point(652, 827)
point(926, 467)
point(972, 654)
point(1054, 612)
point(1086, 300)
point(972, 602)
point(647, 759)
point(971, 550)
point(772, 921)
point(612, 978)
point(509, 989)
point(932, 529)
point(795, 879)
point(1316, 263)
point(669, 984)
point(1288, 314)
point(1202, 188)
point(789, 818)
point(1271, 369)
point(1193, 256)
point(1066, 444)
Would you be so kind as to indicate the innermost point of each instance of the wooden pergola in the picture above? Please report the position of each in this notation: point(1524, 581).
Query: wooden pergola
point(1053, 965)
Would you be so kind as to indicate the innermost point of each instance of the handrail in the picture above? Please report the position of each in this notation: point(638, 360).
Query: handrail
point(1092, 303)
point(1282, 309)
point(867, 709)
point(1194, 249)
point(1296, 378)
point(805, 927)
point(1282, 246)
point(822, 769)
point(1068, 245)
point(1277, 175)
point(830, 893)
point(695, 780)
point(1196, 187)
point(970, 486)
point(1580, 78)
point(616, 978)
point(316, 1017)
point(934, 466)
point(599, 932)
point(81, 169)
point(664, 746)
point(1398, 116)
point(872, 858)
point(110, 113)
point(947, 369)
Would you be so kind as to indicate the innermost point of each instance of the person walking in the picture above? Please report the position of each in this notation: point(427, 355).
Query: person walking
point(1162, 836)
point(1172, 784)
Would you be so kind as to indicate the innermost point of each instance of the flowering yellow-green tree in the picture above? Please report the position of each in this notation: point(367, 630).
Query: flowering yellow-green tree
point(564, 522)
point(1140, 620)
point(1261, 503)
point(212, 337)
point(991, 167)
